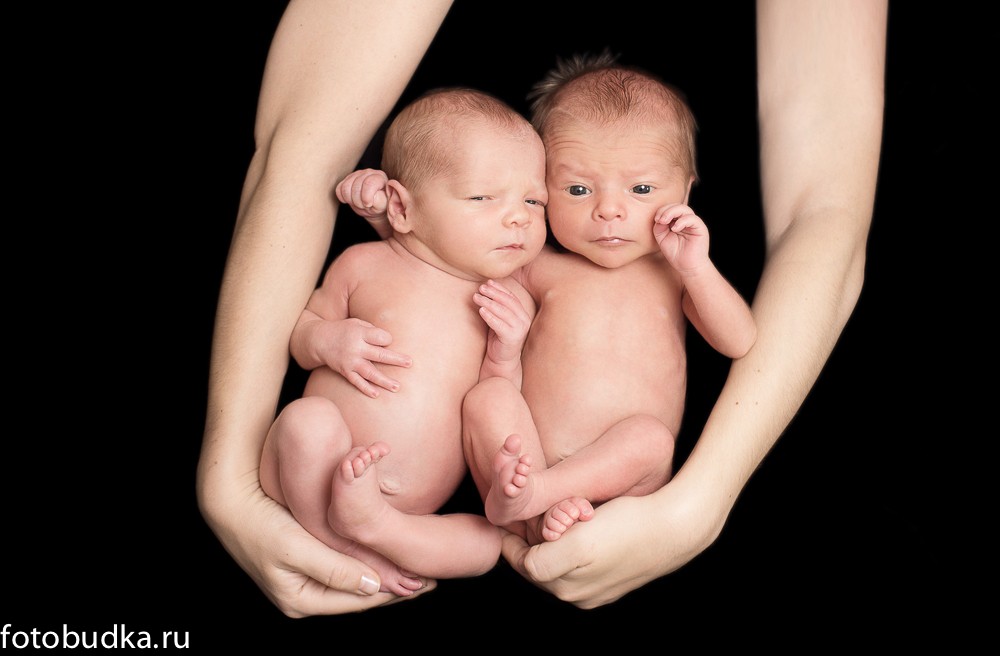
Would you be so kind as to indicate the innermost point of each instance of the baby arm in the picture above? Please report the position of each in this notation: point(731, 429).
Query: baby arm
point(326, 335)
point(508, 320)
point(712, 305)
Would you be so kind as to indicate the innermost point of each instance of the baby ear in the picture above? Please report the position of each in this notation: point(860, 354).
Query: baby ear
point(687, 193)
point(398, 206)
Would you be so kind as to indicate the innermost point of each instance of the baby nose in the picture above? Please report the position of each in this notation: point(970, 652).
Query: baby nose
point(609, 208)
point(518, 216)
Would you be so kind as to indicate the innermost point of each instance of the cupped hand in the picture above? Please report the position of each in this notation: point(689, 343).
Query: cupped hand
point(297, 572)
point(629, 542)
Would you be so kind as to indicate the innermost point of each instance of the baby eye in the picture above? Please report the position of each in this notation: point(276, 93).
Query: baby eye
point(577, 190)
point(476, 198)
point(642, 189)
point(531, 201)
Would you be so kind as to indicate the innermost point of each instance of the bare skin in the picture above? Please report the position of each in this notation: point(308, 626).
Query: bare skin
point(604, 365)
point(577, 440)
point(333, 75)
point(515, 494)
point(821, 74)
point(353, 468)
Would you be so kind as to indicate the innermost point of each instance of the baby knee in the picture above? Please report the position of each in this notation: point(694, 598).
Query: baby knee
point(658, 438)
point(483, 397)
point(309, 423)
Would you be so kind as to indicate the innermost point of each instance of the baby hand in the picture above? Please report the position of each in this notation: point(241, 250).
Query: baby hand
point(682, 236)
point(365, 192)
point(352, 346)
point(507, 319)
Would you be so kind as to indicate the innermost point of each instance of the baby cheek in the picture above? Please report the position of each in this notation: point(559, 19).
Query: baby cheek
point(572, 217)
point(557, 212)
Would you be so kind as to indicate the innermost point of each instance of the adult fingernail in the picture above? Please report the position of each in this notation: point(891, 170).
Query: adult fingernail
point(369, 586)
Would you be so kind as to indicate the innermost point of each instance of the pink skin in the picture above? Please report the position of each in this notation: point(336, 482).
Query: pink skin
point(561, 516)
point(508, 322)
point(367, 194)
point(309, 426)
point(682, 237)
point(518, 489)
point(357, 502)
point(357, 499)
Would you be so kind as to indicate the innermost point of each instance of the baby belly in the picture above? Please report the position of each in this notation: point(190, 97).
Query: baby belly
point(422, 426)
point(571, 409)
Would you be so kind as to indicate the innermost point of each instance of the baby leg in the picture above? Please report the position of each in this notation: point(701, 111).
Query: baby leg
point(501, 446)
point(356, 501)
point(632, 458)
point(438, 546)
point(519, 492)
point(305, 445)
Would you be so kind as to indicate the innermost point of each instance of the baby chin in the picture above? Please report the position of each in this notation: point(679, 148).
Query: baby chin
point(504, 260)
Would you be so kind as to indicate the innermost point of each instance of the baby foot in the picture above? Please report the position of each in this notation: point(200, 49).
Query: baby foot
point(513, 486)
point(393, 579)
point(357, 504)
point(564, 514)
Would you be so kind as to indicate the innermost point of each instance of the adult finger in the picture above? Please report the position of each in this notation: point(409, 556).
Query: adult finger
point(514, 550)
point(549, 561)
point(337, 583)
point(338, 571)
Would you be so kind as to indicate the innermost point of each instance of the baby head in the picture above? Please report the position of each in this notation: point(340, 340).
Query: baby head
point(619, 145)
point(467, 183)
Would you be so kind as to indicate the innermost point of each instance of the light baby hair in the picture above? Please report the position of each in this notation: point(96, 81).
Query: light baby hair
point(597, 90)
point(419, 144)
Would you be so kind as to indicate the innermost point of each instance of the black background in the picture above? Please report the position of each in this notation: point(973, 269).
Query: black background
point(848, 530)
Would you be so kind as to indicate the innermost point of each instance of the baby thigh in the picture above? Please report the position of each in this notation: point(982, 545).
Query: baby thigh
point(634, 457)
point(306, 444)
point(493, 410)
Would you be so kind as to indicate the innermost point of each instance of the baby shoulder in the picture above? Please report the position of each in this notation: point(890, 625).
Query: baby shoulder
point(359, 259)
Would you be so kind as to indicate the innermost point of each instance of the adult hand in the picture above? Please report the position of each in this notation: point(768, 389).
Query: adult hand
point(629, 542)
point(297, 572)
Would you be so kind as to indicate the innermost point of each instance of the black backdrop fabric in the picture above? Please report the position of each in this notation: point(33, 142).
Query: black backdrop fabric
point(846, 531)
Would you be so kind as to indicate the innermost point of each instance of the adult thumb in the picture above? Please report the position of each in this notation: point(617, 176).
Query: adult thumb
point(549, 561)
point(339, 572)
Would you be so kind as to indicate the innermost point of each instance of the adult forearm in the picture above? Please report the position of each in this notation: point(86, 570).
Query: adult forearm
point(820, 77)
point(809, 288)
point(263, 292)
point(820, 85)
point(334, 72)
